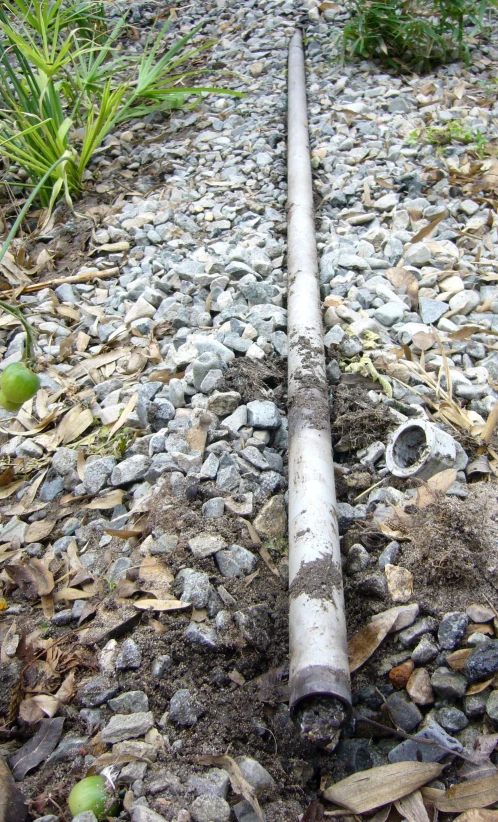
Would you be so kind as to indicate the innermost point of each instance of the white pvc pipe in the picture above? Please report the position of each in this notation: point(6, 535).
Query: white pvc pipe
point(319, 668)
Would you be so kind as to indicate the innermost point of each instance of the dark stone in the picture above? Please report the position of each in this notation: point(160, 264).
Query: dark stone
point(404, 713)
point(96, 691)
point(355, 755)
point(482, 662)
point(409, 636)
point(448, 684)
point(374, 585)
point(452, 629)
point(184, 708)
point(474, 705)
point(416, 751)
point(451, 719)
point(254, 625)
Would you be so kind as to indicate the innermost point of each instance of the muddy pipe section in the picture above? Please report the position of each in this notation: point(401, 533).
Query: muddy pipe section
point(320, 692)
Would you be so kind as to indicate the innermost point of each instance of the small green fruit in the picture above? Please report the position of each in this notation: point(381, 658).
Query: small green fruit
point(5, 403)
point(94, 793)
point(18, 383)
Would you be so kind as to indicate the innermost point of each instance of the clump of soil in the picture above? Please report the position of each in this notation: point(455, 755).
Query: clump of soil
point(355, 422)
point(452, 539)
point(258, 380)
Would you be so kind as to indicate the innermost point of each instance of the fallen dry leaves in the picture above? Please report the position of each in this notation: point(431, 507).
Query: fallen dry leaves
point(367, 790)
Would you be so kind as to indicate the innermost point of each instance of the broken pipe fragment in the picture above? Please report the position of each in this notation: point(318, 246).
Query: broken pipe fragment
point(419, 448)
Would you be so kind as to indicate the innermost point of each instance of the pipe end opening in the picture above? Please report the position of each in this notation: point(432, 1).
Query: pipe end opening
point(320, 719)
point(410, 447)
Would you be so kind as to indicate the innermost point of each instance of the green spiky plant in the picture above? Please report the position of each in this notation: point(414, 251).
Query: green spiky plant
point(413, 34)
point(14, 310)
point(65, 84)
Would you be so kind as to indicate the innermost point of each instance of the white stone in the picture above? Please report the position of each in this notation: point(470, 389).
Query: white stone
point(387, 201)
point(139, 310)
point(111, 413)
point(452, 284)
point(469, 207)
point(254, 352)
point(464, 301)
point(417, 254)
point(390, 313)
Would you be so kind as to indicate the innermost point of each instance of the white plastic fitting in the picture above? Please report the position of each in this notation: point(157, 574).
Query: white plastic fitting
point(419, 448)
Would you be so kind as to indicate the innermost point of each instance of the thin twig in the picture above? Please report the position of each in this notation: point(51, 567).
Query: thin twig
point(76, 278)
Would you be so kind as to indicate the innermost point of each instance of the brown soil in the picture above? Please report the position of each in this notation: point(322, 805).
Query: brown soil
point(258, 380)
point(356, 423)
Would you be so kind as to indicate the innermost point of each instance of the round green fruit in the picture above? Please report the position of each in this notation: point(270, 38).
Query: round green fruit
point(18, 383)
point(94, 793)
point(9, 406)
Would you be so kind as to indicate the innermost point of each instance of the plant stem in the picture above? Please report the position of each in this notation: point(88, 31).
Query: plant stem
point(20, 216)
point(17, 313)
point(12, 309)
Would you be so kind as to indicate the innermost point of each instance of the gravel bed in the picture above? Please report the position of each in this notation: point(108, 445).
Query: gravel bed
point(160, 478)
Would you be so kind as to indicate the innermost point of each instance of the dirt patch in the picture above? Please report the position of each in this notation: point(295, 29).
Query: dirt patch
point(308, 403)
point(356, 422)
point(258, 380)
point(318, 580)
point(453, 548)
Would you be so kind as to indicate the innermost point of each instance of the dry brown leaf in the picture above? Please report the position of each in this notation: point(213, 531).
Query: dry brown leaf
point(36, 707)
point(7, 476)
point(478, 687)
point(67, 688)
point(23, 578)
point(96, 362)
point(362, 645)
point(477, 815)
point(38, 748)
point(76, 421)
point(161, 605)
point(8, 490)
point(72, 554)
point(431, 795)
point(29, 711)
point(406, 616)
point(239, 784)
point(106, 759)
point(40, 530)
point(80, 466)
point(32, 491)
point(427, 230)
point(412, 807)
point(401, 278)
point(122, 533)
point(477, 793)
point(48, 606)
point(459, 90)
point(456, 660)
point(382, 815)
point(70, 594)
point(42, 577)
point(490, 425)
point(106, 501)
point(367, 790)
point(153, 570)
point(130, 405)
point(120, 245)
point(423, 340)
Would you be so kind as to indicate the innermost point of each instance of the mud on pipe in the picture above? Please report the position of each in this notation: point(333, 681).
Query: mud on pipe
point(320, 691)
